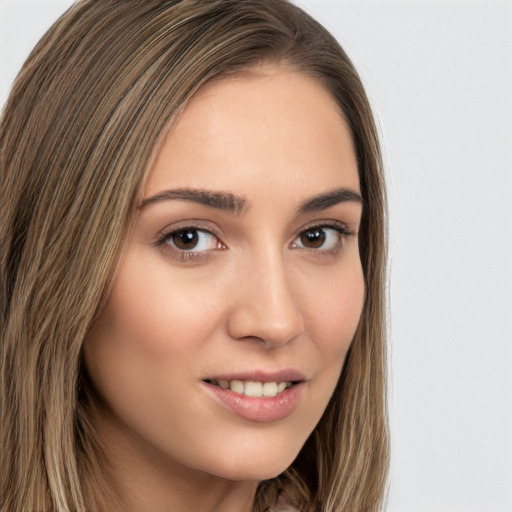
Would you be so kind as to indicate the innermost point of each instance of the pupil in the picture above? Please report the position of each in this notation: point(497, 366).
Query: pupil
point(186, 239)
point(313, 238)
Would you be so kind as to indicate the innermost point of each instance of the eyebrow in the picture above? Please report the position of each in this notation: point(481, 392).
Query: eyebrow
point(232, 203)
point(219, 200)
point(328, 199)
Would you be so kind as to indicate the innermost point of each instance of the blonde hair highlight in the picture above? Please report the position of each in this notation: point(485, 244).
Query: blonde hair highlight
point(78, 133)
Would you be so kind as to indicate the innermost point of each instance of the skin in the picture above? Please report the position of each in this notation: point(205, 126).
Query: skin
point(251, 296)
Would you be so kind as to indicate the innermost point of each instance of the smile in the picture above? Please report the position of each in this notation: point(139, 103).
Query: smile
point(252, 388)
point(258, 395)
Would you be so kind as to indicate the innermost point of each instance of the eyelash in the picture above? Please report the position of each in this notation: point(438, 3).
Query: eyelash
point(188, 255)
point(339, 228)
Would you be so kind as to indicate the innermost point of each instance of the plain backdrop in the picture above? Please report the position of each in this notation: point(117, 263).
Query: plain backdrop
point(439, 75)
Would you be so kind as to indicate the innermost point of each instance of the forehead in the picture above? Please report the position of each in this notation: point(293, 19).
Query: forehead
point(274, 124)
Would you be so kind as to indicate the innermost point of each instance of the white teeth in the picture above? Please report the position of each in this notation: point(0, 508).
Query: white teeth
point(237, 386)
point(254, 388)
point(270, 389)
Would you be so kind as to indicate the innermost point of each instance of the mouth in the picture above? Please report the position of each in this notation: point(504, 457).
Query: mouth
point(251, 388)
point(258, 396)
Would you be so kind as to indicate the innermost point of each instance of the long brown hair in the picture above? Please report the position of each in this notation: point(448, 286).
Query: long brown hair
point(78, 133)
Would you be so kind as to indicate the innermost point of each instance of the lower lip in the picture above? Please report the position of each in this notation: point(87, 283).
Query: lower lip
point(258, 409)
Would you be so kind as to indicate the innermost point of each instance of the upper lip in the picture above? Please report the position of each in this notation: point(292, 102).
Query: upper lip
point(281, 375)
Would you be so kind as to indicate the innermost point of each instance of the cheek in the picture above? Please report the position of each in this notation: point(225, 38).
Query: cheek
point(142, 356)
point(130, 340)
point(333, 314)
point(334, 311)
point(150, 337)
point(154, 314)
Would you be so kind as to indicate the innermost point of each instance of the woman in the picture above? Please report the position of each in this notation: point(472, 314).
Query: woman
point(193, 265)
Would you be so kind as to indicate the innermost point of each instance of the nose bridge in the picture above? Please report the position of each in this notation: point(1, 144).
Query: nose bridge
point(266, 306)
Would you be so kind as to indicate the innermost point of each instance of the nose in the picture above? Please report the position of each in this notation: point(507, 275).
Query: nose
point(265, 308)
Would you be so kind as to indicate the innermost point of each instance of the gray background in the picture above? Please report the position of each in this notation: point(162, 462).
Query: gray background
point(439, 74)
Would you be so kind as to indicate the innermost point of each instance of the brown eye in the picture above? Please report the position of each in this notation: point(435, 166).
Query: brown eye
point(321, 238)
point(192, 240)
point(313, 238)
point(185, 239)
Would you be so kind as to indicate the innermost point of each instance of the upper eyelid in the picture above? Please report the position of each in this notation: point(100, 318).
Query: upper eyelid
point(334, 224)
point(339, 227)
point(191, 224)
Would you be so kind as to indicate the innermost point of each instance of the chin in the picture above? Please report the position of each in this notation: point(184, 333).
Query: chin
point(243, 473)
point(254, 464)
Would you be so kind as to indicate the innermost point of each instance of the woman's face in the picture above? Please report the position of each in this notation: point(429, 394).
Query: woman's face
point(241, 277)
